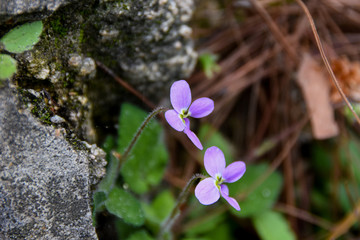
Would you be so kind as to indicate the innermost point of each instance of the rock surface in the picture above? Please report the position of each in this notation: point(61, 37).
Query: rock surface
point(152, 40)
point(44, 182)
point(22, 10)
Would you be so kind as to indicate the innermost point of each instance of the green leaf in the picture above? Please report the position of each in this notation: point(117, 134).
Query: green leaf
point(109, 180)
point(272, 226)
point(221, 231)
point(218, 231)
point(123, 205)
point(99, 199)
point(348, 113)
point(160, 208)
point(199, 228)
point(320, 202)
point(143, 235)
point(146, 163)
point(22, 38)
point(7, 66)
point(206, 226)
point(109, 144)
point(98, 204)
point(123, 229)
point(208, 64)
point(209, 136)
point(350, 156)
point(262, 197)
point(344, 197)
point(195, 238)
point(322, 159)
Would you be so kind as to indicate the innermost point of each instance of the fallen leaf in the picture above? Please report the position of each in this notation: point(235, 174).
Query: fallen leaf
point(316, 91)
point(348, 75)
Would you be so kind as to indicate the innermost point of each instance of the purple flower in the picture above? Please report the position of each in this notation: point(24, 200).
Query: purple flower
point(209, 190)
point(180, 97)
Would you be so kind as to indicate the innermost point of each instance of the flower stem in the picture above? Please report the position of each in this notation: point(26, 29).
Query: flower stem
point(167, 224)
point(139, 131)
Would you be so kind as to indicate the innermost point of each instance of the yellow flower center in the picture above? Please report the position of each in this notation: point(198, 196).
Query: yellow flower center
point(184, 114)
point(219, 180)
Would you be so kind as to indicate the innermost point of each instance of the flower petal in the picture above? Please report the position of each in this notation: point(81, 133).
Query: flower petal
point(225, 194)
point(234, 171)
point(187, 123)
point(172, 117)
point(214, 161)
point(206, 191)
point(180, 95)
point(201, 107)
point(192, 136)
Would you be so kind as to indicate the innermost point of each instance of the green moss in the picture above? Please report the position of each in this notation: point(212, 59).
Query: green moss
point(76, 143)
point(81, 36)
point(58, 26)
point(42, 114)
point(39, 108)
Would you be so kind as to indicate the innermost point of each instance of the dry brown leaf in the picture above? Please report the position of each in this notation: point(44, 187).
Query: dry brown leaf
point(348, 76)
point(316, 88)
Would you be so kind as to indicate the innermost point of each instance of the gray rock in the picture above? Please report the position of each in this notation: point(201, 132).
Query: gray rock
point(150, 40)
point(44, 182)
point(20, 10)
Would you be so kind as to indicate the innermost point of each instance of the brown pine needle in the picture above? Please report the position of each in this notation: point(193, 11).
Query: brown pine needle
point(303, 215)
point(343, 226)
point(275, 30)
point(325, 60)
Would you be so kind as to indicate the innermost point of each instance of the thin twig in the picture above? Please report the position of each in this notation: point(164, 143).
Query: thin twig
point(125, 85)
point(344, 225)
point(139, 131)
point(325, 60)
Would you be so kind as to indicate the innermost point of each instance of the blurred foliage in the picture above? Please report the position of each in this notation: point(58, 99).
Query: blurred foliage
point(272, 226)
point(201, 228)
point(349, 115)
point(340, 159)
point(208, 64)
point(159, 209)
point(209, 136)
point(263, 196)
point(143, 235)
